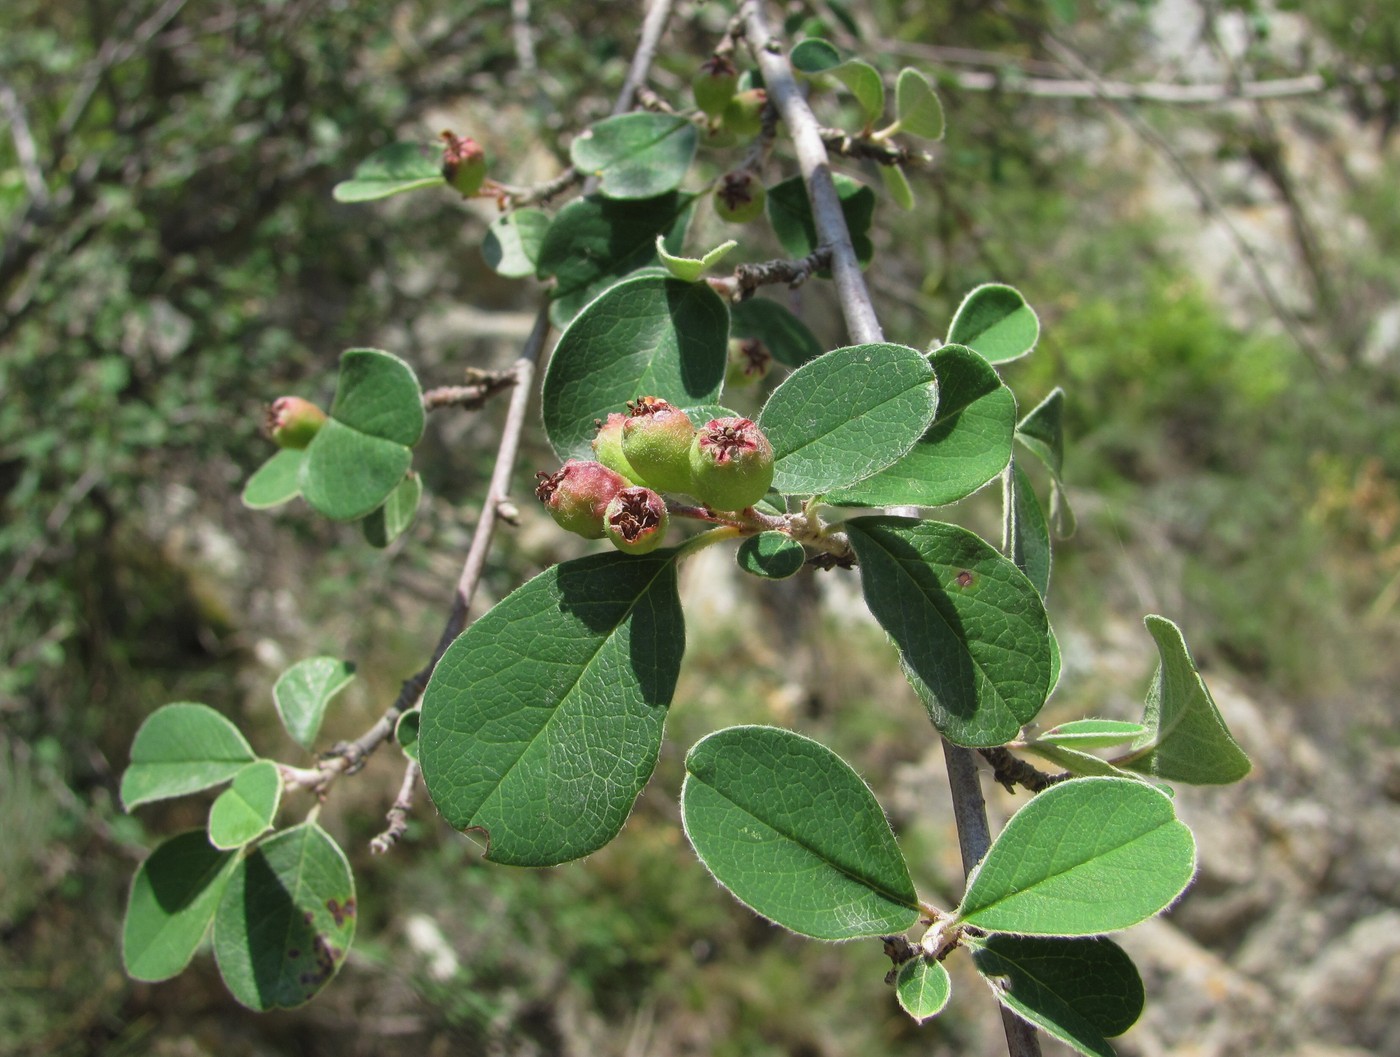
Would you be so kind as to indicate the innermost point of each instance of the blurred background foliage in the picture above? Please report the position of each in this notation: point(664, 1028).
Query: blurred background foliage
point(172, 259)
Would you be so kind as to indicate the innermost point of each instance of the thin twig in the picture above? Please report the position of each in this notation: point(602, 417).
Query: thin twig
point(397, 815)
point(514, 197)
point(847, 146)
point(26, 151)
point(482, 385)
point(1010, 771)
point(749, 277)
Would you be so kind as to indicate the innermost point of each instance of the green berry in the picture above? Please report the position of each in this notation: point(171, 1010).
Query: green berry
point(731, 464)
point(463, 164)
point(607, 447)
point(749, 361)
point(578, 494)
point(636, 520)
point(744, 114)
point(714, 84)
point(739, 197)
point(656, 441)
point(292, 421)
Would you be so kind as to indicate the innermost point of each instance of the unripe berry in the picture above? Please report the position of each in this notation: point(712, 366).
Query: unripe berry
point(749, 361)
point(744, 114)
point(578, 493)
point(636, 520)
point(292, 421)
point(463, 164)
point(714, 84)
point(607, 447)
point(656, 441)
point(731, 464)
point(739, 197)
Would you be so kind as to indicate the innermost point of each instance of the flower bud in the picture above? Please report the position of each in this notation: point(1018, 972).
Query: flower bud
point(636, 520)
point(578, 493)
point(292, 421)
point(463, 164)
point(731, 464)
point(607, 447)
point(744, 114)
point(656, 441)
point(739, 197)
point(749, 361)
point(714, 84)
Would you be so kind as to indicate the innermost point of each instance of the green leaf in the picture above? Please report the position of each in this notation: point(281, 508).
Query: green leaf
point(770, 555)
point(406, 733)
point(790, 213)
point(639, 155)
point(647, 336)
point(922, 987)
point(245, 810)
point(995, 321)
point(1075, 761)
point(275, 481)
point(391, 519)
point(182, 748)
point(173, 899)
point(863, 81)
point(814, 56)
point(512, 243)
point(543, 721)
point(392, 170)
point(595, 241)
point(888, 397)
point(786, 336)
point(690, 269)
point(1086, 856)
point(363, 451)
point(1082, 991)
point(968, 444)
point(303, 691)
point(1186, 739)
point(917, 108)
point(794, 834)
point(1025, 535)
point(1092, 733)
point(286, 920)
point(897, 184)
point(972, 633)
point(1042, 433)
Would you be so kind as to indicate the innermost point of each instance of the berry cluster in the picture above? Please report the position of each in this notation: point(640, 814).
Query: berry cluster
point(727, 465)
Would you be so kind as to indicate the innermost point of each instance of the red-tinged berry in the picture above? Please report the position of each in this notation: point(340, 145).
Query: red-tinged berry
point(463, 164)
point(744, 114)
point(731, 464)
point(607, 447)
point(636, 520)
point(739, 197)
point(656, 441)
point(749, 361)
point(714, 84)
point(578, 494)
point(292, 421)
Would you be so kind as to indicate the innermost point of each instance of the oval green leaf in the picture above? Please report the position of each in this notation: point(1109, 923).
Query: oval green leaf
point(863, 81)
point(543, 720)
point(512, 244)
point(972, 633)
point(1083, 991)
point(814, 55)
point(286, 919)
point(303, 691)
point(690, 269)
point(1186, 739)
point(392, 170)
point(794, 834)
point(648, 336)
point(173, 900)
point(922, 987)
point(639, 155)
point(897, 184)
point(406, 733)
point(790, 213)
point(968, 444)
point(595, 241)
point(1025, 534)
point(182, 748)
point(1083, 857)
point(391, 519)
point(995, 321)
point(1092, 733)
point(1042, 433)
point(245, 810)
point(786, 336)
point(771, 555)
point(888, 396)
point(275, 482)
point(917, 107)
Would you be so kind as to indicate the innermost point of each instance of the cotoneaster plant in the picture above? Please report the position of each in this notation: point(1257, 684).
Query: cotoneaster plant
point(565, 683)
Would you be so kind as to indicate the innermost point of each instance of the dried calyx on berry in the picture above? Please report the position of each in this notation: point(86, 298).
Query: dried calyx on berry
point(292, 421)
point(636, 520)
point(463, 164)
point(577, 494)
point(749, 361)
point(731, 464)
point(656, 440)
point(739, 197)
point(714, 84)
